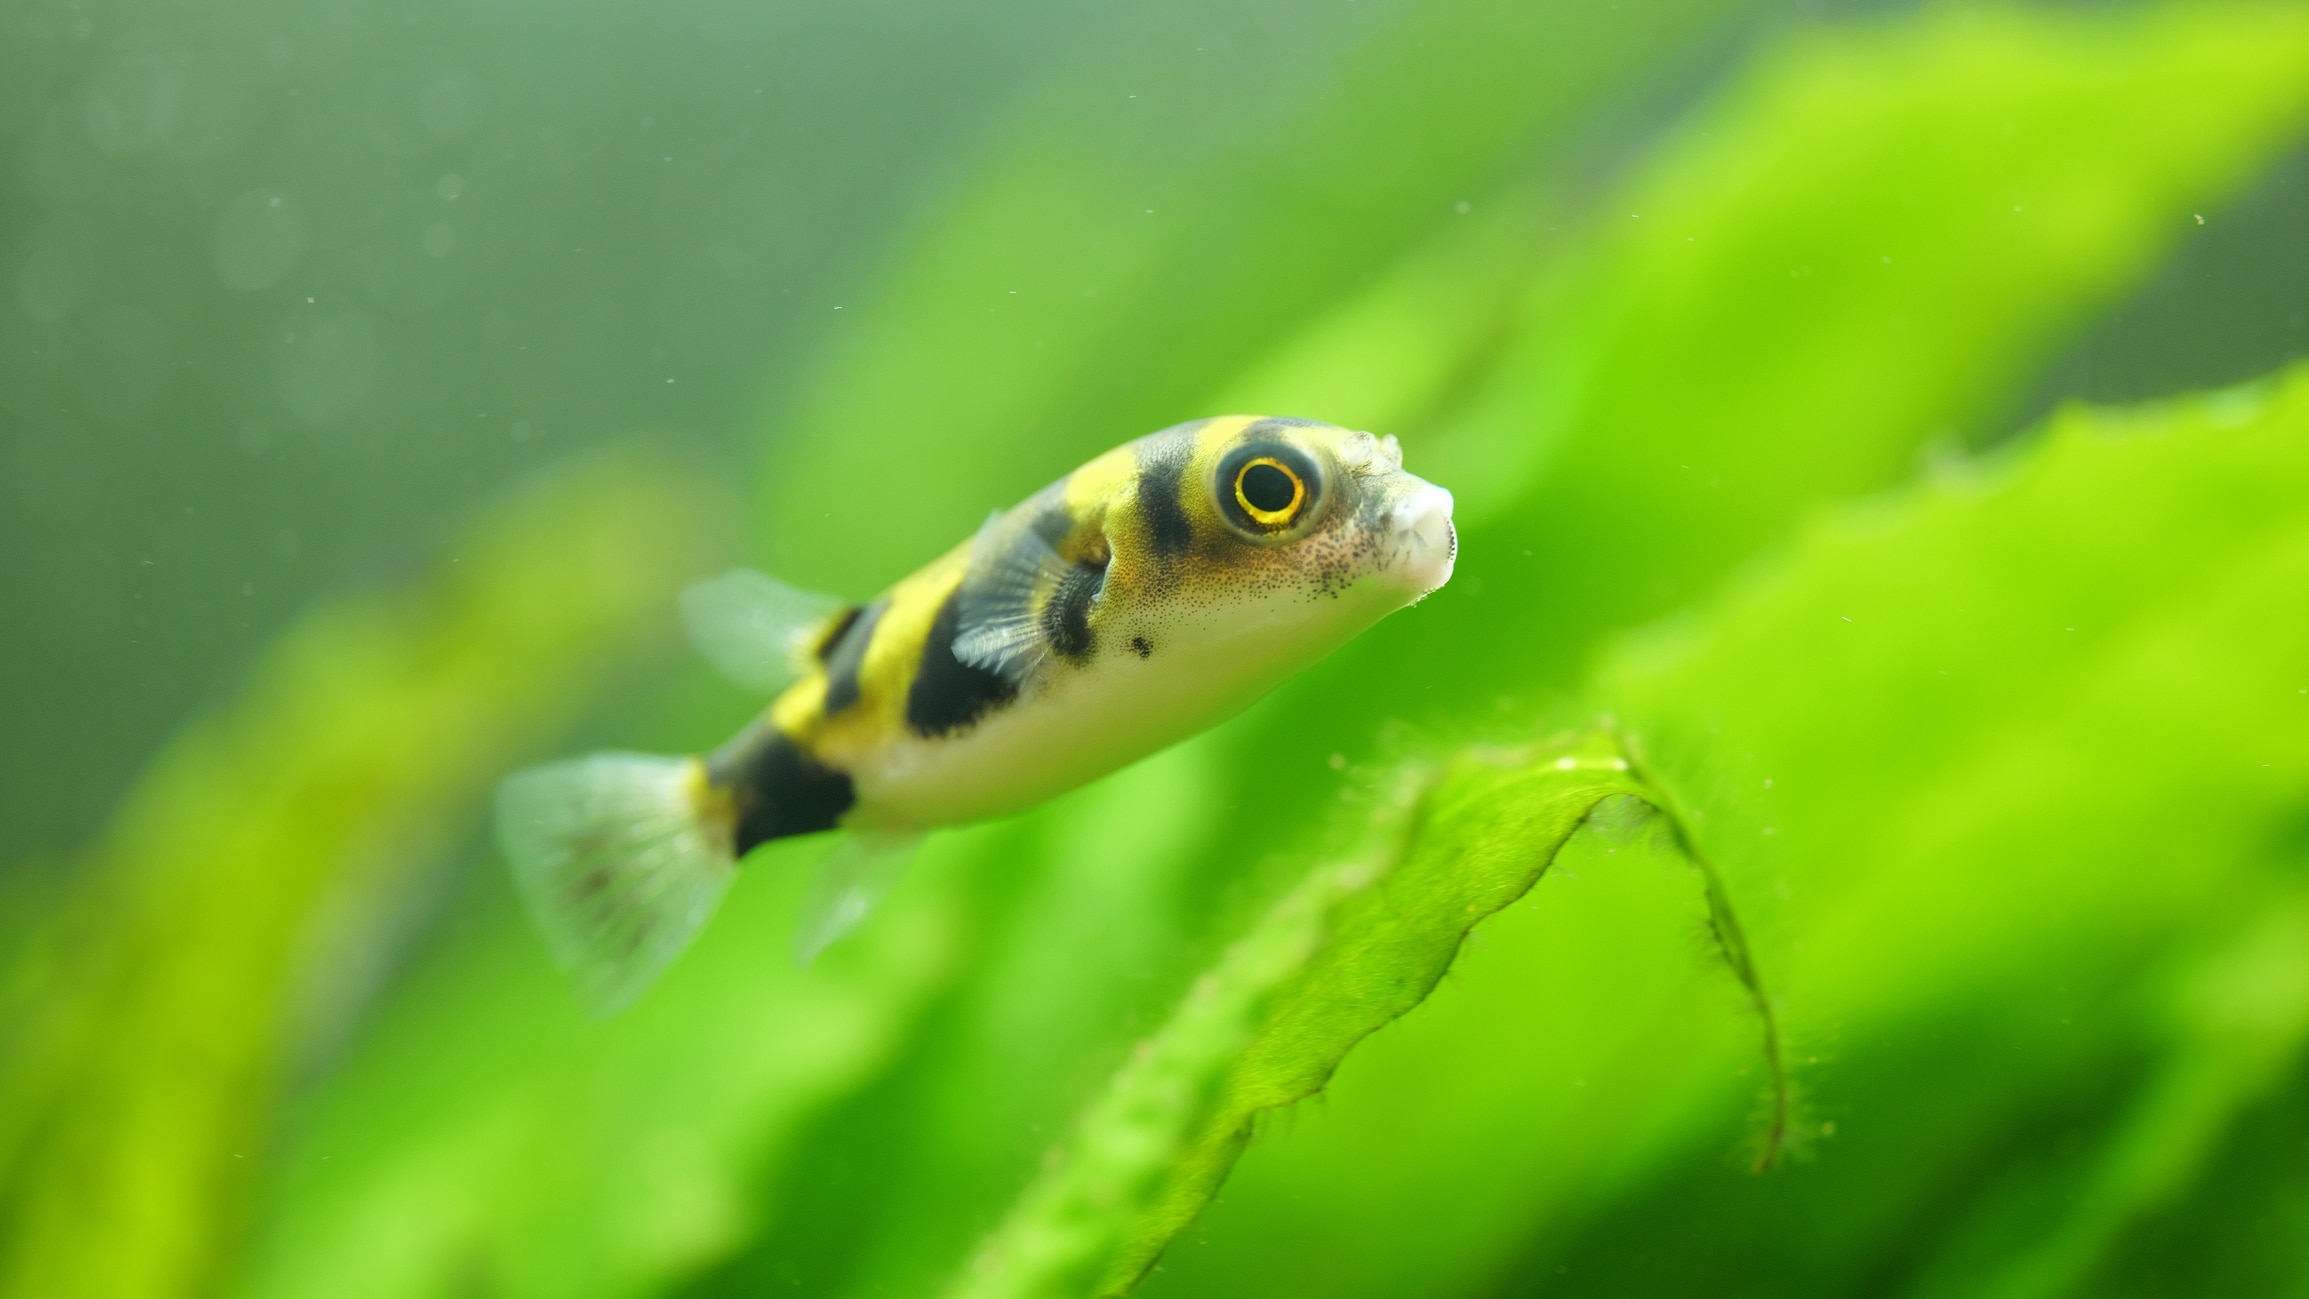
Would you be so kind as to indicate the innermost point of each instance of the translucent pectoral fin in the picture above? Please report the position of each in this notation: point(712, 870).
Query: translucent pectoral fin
point(1013, 574)
point(753, 628)
point(852, 878)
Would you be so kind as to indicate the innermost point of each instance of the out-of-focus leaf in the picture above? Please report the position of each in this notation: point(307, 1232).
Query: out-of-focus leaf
point(1951, 758)
point(1693, 344)
point(489, 1133)
point(1156, 215)
point(1346, 952)
point(2050, 819)
point(910, 1170)
point(1866, 246)
point(240, 901)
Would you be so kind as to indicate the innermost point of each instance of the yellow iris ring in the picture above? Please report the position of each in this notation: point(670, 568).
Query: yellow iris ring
point(1270, 518)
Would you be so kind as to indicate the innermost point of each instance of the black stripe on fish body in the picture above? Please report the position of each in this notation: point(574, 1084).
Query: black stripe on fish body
point(779, 788)
point(837, 627)
point(846, 654)
point(1066, 615)
point(1162, 469)
point(948, 694)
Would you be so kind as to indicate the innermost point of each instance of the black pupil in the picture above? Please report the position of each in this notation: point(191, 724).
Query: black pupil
point(1268, 488)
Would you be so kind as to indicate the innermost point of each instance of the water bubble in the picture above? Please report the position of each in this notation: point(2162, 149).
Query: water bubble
point(439, 239)
point(259, 237)
point(324, 371)
point(452, 103)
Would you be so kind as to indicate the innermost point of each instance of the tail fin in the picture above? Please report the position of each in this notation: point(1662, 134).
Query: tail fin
point(620, 862)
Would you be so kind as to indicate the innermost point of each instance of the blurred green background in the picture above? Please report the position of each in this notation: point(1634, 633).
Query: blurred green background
point(1876, 449)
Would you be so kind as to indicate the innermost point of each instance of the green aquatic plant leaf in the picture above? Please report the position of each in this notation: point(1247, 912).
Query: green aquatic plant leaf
point(2003, 776)
point(1349, 950)
point(2095, 788)
point(236, 912)
point(924, 1159)
point(1689, 343)
point(1199, 183)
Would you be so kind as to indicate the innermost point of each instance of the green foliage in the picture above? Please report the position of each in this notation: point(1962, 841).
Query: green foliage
point(250, 885)
point(1972, 904)
point(1155, 214)
point(1347, 951)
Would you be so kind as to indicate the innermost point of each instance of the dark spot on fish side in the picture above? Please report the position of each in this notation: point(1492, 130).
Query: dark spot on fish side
point(1143, 646)
point(1162, 467)
point(845, 655)
point(1066, 617)
point(781, 789)
point(949, 694)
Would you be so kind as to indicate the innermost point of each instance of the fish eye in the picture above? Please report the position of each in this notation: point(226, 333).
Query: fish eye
point(1269, 489)
point(1269, 492)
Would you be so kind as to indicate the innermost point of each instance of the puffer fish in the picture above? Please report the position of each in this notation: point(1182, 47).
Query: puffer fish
point(1153, 592)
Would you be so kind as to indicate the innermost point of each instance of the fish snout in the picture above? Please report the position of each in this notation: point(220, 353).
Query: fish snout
point(1425, 539)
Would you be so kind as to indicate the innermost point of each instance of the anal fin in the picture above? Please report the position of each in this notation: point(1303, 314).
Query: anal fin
point(853, 877)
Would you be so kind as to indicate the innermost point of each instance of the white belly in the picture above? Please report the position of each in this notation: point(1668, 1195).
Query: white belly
point(1080, 723)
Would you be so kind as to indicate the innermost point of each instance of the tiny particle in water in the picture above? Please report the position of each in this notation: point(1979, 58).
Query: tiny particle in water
point(2200, 217)
point(1338, 762)
point(1463, 207)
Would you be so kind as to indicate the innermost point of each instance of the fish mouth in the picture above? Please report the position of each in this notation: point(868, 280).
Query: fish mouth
point(1426, 545)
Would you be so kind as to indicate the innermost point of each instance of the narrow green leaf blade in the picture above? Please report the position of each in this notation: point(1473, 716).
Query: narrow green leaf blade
point(1349, 950)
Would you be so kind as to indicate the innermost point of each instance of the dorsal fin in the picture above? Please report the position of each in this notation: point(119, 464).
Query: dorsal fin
point(1012, 572)
point(755, 629)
